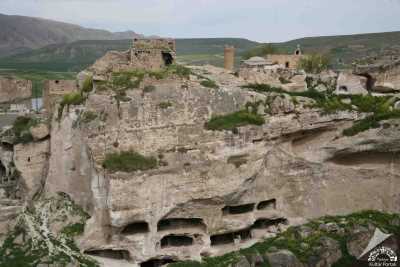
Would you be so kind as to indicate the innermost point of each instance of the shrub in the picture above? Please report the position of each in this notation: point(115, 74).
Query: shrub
point(88, 85)
point(234, 120)
point(128, 161)
point(88, 116)
point(181, 70)
point(149, 88)
point(314, 63)
point(75, 98)
point(21, 128)
point(165, 105)
point(283, 80)
point(127, 80)
point(262, 50)
point(209, 84)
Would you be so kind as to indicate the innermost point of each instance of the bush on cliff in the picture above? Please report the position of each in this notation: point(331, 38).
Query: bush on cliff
point(128, 161)
point(234, 120)
point(21, 127)
point(88, 85)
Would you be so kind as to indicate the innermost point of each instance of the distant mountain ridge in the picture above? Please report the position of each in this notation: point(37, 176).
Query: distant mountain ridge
point(78, 55)
point(20, 34)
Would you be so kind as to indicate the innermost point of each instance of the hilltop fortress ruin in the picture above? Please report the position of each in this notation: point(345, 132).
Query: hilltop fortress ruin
point(218, 160)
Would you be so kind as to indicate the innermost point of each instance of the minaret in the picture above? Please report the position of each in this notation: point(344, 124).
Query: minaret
point(229, 57)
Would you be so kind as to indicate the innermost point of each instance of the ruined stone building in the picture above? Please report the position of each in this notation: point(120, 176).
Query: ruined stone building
point(54, 91)
point(15, 94)
point(287, 61)
point(153, 54)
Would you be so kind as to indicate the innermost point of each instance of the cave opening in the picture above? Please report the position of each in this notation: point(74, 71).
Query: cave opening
point(136, 228)
point(266, 223)
point(167, 58)
point(370, 84)
point(180, 223)
point(231, 238)
point(156, 262)
point(232, 210)
point(109, 253)
point(3, 171)
point(176, 241)
point(267, 205)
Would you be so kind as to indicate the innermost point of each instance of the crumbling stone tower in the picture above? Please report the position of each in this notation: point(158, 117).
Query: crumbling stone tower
point(153, 54)
point(229, 57)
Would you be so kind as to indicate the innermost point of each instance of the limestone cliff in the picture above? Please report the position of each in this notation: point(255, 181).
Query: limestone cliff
point(213, 191)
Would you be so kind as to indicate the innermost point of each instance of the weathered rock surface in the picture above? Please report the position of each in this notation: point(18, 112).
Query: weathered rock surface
point(349, 83)
point(40, 131)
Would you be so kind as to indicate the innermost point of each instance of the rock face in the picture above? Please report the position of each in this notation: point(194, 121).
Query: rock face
point(14, 90)
point(384, 76)
point(31, 160)
point(294, 167)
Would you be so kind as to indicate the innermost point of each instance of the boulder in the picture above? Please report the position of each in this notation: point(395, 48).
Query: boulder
point(358, 240)
point(350, 84)
point(283, 258)
point(328, 253)
point(243, 262)
point(40, 131)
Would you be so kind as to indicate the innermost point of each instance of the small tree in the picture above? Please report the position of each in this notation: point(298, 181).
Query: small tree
point(263, 50)
point(314, 63)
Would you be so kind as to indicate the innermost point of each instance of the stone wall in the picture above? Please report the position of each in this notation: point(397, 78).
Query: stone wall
point(12, 90)
point(285, 61)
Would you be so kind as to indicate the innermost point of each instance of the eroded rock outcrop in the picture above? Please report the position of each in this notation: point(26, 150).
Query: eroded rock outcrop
point(215, 191)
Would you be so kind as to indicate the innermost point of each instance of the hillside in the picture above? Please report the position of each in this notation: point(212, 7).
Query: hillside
point(20, 34)
point(78, 55)
point(346, 48)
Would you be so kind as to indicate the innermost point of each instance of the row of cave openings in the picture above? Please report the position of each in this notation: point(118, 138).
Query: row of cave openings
point(197, 224)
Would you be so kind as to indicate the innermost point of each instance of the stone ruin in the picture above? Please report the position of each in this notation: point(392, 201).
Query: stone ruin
point(15, 95)
point(13, 90)
point(152, 54)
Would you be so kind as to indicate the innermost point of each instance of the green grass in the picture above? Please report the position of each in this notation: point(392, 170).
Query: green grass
point(128, 161)
point(209, 84)
point(88, 85)
point(234, 120)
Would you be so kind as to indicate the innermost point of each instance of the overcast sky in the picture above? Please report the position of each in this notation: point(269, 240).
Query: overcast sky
point(260, 20)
